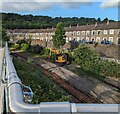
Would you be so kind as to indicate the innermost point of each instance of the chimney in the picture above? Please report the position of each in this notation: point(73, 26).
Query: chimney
point(70, 26)
point(77, 25)
point(95, 24)
point(108, 22)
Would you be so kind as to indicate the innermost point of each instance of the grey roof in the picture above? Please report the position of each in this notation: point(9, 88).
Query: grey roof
point(111, 25)
point(104, 26)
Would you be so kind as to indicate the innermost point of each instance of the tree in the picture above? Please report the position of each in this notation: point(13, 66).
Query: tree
point(85, 56)
point(98, 20)
point(59, 37)
point(5, 37)
point(105, 20)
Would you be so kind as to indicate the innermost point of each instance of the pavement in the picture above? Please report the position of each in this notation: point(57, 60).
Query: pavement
point(1, 85)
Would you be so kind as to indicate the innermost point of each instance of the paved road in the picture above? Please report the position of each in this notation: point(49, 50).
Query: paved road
point(1, 85)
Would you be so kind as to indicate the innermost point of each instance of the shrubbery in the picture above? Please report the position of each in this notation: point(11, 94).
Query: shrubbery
point(90, 61)
point(22, 41)
point(15, 46)
point(45, 90)
point(36, 49)
point(24, 46)
point(21, 45)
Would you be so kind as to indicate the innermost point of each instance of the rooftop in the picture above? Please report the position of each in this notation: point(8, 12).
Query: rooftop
point(104, 26)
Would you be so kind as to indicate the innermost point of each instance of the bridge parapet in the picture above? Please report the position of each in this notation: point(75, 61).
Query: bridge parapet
point(2, 71)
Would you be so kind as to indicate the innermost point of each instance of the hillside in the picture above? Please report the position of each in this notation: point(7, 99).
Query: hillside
point(17, 21)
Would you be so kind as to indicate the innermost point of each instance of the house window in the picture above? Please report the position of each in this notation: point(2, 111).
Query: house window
point(78, 38)
point(83, 32)
point(70, 39)
point(78, 32)
point(118, 31)
point(105, 31)
point(97, 39)
point(118, 41)
point(46, 39)
point(87, 39)
point(112, 31)
point(70, 33)
point(111, 39)
point(37, 33)
point(74, 33)
point(66, 39)
point(98, 32)
point(93, 32)
point(87, 32)
point(66, 33)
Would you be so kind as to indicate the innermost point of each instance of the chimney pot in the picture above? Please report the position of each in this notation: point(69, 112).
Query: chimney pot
point(95, 24)
point(107, 22)
point(77, 25)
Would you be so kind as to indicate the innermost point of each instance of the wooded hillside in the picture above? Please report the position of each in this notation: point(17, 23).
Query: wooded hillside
point(17, 21)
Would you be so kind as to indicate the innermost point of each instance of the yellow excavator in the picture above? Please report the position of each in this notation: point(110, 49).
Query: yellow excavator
point(60, 58)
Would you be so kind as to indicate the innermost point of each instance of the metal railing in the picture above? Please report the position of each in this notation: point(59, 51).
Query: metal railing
point(16, 101)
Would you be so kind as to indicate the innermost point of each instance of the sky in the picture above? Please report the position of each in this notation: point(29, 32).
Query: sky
point(64, 8)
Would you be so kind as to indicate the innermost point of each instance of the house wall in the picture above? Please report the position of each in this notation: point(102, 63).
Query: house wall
point(71, 34)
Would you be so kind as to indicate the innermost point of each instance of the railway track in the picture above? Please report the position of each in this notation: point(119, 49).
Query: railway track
point(82, 97)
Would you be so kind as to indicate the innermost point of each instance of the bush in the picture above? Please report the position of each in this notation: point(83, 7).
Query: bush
point(24, 46)
point(84, 56)
point(46, 51)
point(36, 49)
point(15, 46)
point(22, 42)
point(89, 61)
point(43, 86)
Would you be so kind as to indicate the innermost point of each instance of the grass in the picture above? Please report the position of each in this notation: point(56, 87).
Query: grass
point(43, 86)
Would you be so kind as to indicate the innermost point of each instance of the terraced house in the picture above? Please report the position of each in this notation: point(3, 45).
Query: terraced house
point(106, 33)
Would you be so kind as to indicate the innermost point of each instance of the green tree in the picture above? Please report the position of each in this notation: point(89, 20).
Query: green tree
point(59, 37)
point(98, 20)
point(105, 20)
point(85, 57)
point(5, 37)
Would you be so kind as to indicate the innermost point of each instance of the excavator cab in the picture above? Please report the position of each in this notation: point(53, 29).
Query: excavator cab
point(60, 57)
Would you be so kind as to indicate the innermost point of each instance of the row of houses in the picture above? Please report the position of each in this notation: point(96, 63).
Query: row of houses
point(97, 33)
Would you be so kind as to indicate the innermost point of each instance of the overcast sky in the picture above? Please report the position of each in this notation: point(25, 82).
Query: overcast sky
point(64, 8)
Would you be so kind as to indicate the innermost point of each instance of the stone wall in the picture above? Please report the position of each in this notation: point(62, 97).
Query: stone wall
point(111, 51)
point(48, 44)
